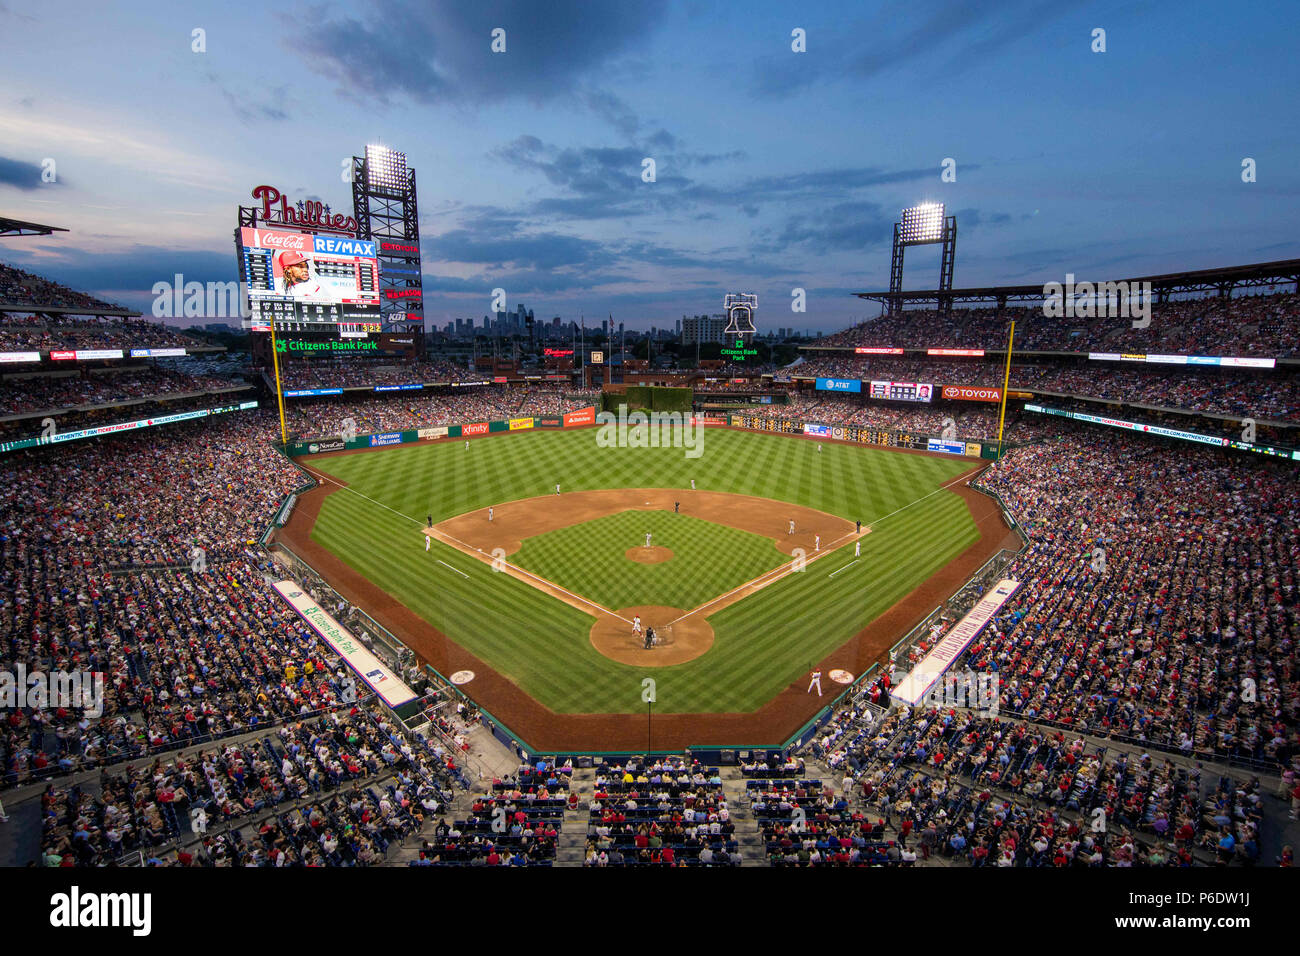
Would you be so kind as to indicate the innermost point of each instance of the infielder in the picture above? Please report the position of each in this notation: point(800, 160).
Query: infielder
point(791, 531)
point(815, 682)
point(692, 484)
point(817, 545)
point(636, 624)
point(489, 514)
point(557, 488)
point(647, 539)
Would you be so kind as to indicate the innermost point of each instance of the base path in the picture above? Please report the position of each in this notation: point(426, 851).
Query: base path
point(514, 521)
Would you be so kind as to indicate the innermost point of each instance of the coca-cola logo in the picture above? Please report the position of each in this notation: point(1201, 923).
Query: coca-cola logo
point(281, 240)
point(306, 213)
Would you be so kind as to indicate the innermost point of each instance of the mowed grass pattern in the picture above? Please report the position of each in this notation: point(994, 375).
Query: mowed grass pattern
point(589, 559)
point(762, 644)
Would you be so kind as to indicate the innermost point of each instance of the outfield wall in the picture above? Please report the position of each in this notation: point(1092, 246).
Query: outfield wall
point(574, 419)
point(866, 435)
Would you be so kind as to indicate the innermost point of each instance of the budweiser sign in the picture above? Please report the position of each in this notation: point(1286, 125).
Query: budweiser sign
point(308, 214)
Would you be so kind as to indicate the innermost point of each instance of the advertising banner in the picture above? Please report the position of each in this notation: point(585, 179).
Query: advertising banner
point(372, 671)
point(305, 392)
point(912, 688)
point(947, 447)
point(157, 353)
point(839, 385)
point(974, 449)
point(520, 424)
point(821, 431)
point(878, 351)
point(583, 416)
point(550, 421)
point(971, 393)
point(438, 431)
point(385, 438)
point(972, 353)
point(477, 428)
point(8, 357)
point(903, 391)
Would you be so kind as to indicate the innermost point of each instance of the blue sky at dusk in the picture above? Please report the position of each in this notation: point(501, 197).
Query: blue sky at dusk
point(775, 169)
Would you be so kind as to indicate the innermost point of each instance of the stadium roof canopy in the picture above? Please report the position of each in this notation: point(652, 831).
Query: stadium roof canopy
point(17, 227)
point(1222, 281)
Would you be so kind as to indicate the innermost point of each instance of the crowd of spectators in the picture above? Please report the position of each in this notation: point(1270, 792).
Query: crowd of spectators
point(28, 394)
point(1262, 394)
point(1157, 594)
point(356, 374)
point(1265, 325)
point(23, 333)
point(20, 288)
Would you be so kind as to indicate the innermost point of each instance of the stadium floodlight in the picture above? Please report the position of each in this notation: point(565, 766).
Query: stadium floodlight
point(385, 169)
point(923, 223)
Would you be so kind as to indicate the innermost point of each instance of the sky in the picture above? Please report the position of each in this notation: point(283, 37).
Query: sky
point(775, 170)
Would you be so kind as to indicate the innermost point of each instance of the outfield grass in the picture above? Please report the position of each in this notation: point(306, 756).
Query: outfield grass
point(762, 643)
point(708, 559)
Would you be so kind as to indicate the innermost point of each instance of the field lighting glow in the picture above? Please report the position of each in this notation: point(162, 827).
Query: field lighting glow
point(923, 223)
point(386, 169)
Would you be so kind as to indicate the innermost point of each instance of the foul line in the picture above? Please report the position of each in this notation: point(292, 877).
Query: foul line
point(845, 568)
point(457, 570)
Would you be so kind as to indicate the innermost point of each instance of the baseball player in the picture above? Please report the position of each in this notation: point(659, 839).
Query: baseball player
point(647, 539)
point(791, 531)
point(467, 444)
point(819, 448)
point(857, 548)
point(489, 514)
point(428, 521)
point(692, 484)
point(817, 546)
point(557, 487)
point(636, 624)
point(296, 279)
point(815, 682)
point(427, 539)
point(677, 507)
point(859, 527)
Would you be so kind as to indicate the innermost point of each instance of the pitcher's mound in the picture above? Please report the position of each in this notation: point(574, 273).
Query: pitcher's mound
point(652, 555)
point(676, 644)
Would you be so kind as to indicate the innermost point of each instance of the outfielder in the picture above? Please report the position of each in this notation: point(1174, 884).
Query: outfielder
point(427, 539)
point(815, 682)
point(857, 548)
point(647, 539)
point(692, 484)
point(557, 488)
point(467, 444)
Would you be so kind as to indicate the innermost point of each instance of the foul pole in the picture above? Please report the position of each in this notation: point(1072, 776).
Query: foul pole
point(1006, 381)
point(279, 392)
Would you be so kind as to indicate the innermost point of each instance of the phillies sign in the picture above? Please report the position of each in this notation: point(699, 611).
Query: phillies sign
point(306, 213)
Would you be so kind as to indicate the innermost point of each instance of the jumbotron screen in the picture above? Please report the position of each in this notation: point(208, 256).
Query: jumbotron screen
point(308, 277)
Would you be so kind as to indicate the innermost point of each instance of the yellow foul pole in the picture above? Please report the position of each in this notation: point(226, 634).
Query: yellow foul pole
point(279, 392)
point(1006, 382)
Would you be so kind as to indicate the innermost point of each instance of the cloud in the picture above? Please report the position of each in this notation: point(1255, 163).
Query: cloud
point(441, 51)
point(20, 174)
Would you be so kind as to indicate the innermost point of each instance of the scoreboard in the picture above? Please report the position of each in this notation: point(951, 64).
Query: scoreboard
point(903, 391)
point(298, 278)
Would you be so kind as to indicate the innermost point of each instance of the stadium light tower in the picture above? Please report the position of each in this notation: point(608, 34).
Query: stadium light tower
point(923, 225)
point(384, 203)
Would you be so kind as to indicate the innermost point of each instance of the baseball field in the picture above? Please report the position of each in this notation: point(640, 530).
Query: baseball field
point(540, 596)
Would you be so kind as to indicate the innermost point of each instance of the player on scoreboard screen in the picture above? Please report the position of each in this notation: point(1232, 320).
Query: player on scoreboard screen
point(296, 278)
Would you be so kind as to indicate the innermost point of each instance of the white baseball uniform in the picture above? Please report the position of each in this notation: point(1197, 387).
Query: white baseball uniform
point(489, 514)
point(857, 549)
point(636, 624)
point(647, 539)
point(817, 682)
point(817, 544)
point(427, 539)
